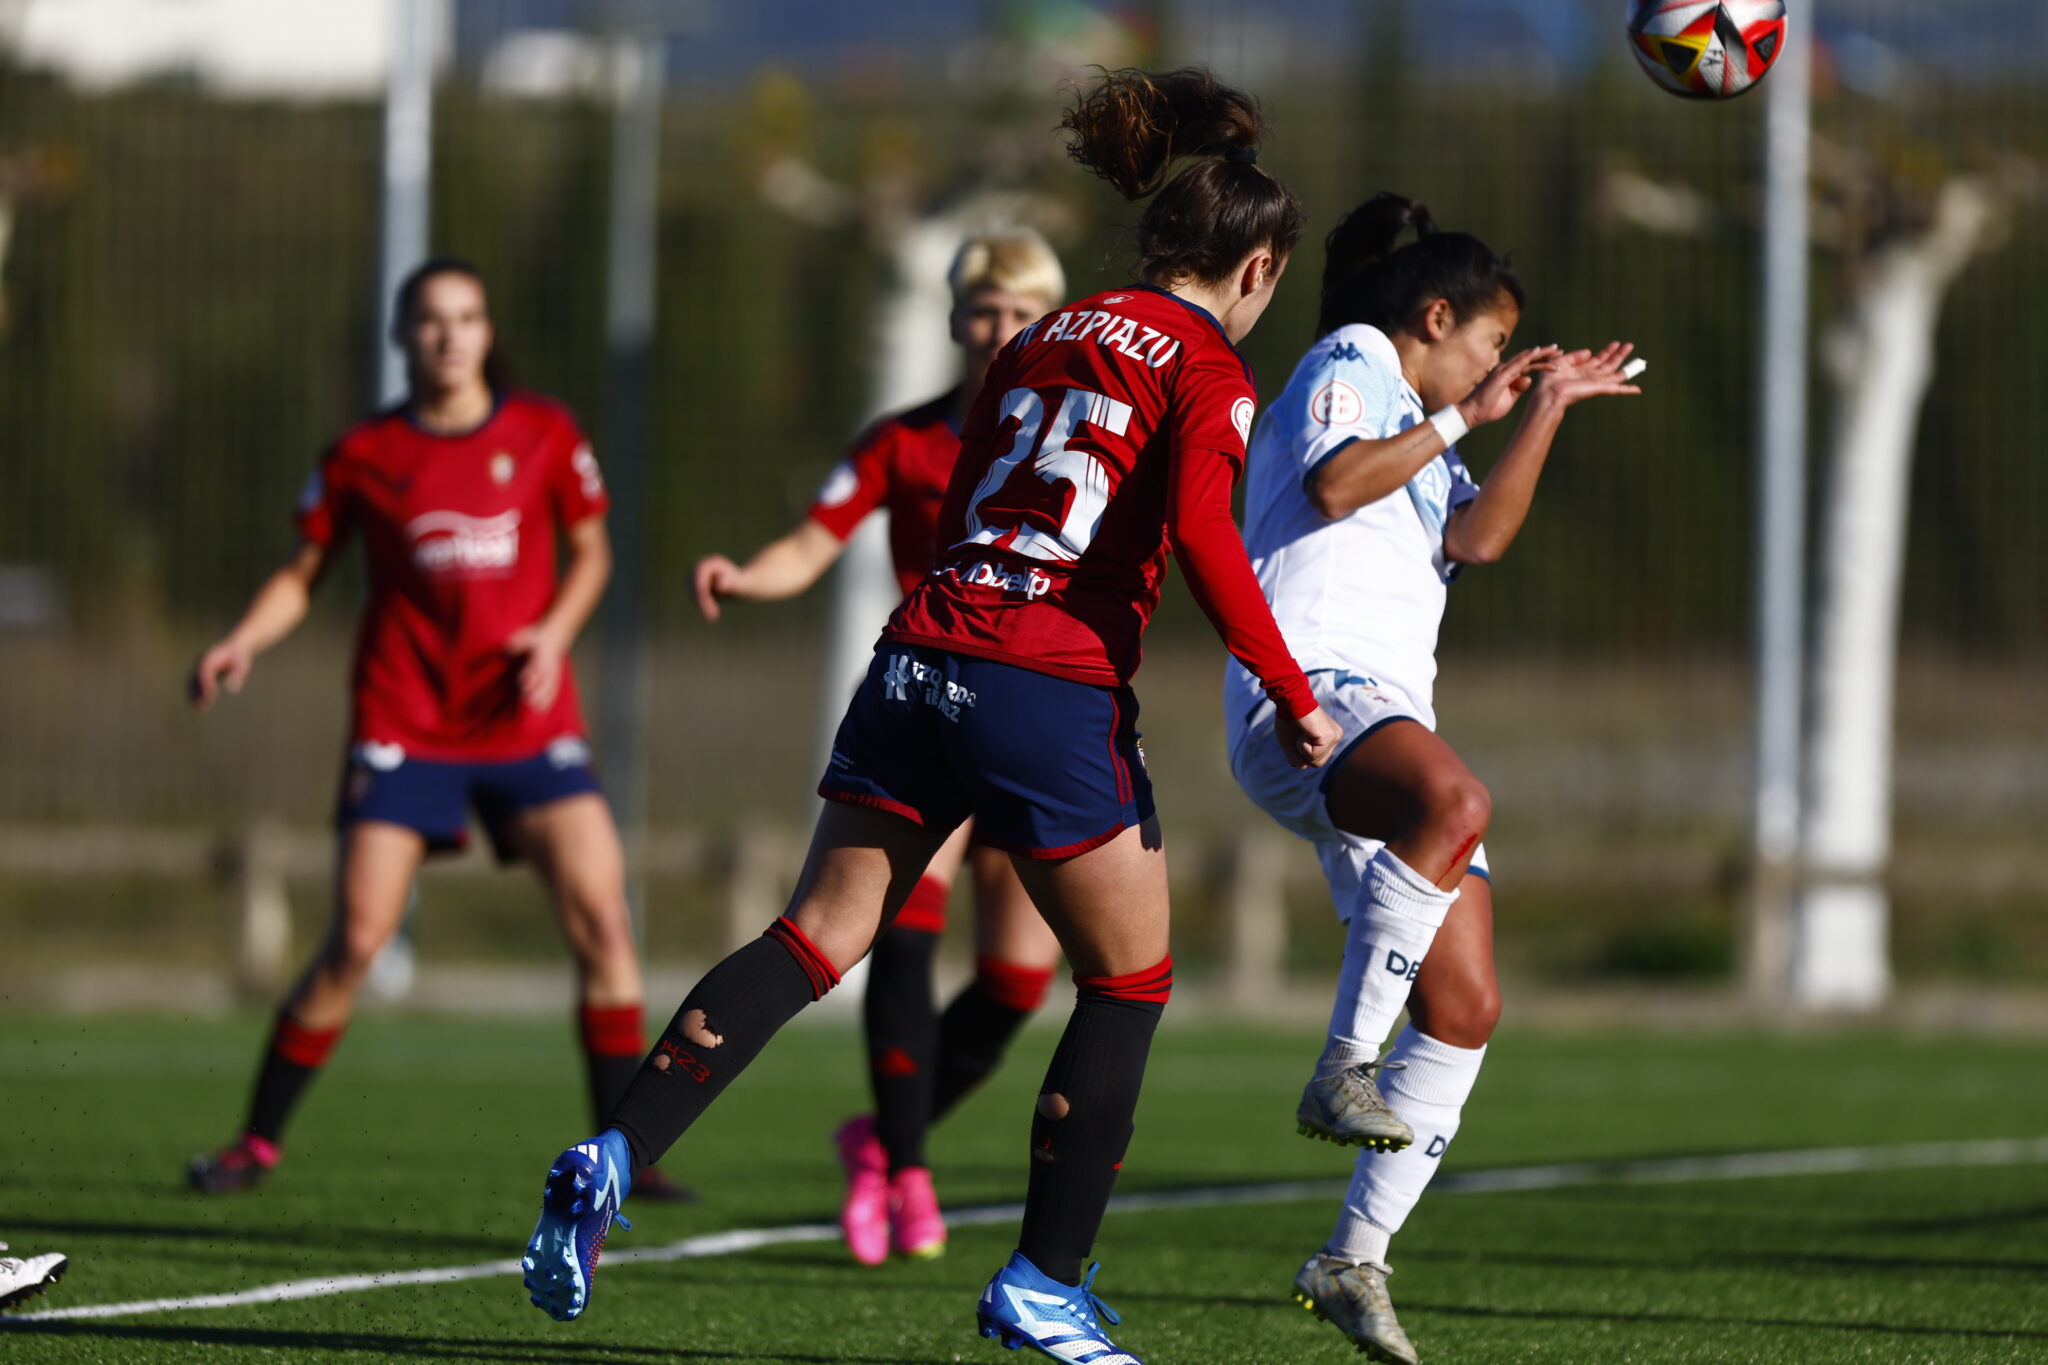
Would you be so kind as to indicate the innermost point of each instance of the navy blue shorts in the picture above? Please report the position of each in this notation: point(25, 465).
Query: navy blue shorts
point(381, 782)
point(1046, 767)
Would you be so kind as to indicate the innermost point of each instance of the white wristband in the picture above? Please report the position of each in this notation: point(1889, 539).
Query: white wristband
point(1450, 424)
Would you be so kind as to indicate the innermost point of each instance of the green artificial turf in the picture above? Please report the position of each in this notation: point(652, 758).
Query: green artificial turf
point(426, 1144)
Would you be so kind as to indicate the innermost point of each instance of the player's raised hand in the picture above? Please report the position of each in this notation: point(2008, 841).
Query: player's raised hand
point(1495, 397)
point(1308, 742)
point(716, 577)
point(1589, 374)
point(540, 672)
point(223, 668)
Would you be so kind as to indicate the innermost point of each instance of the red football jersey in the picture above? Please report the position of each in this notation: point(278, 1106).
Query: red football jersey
point(1102, 431)
point(902, 463)
point(460, 533)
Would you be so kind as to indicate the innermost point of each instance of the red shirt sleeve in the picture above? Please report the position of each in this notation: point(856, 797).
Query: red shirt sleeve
point(856, 486)
point(323, 515)
point(576, 488)
point(1219, 574)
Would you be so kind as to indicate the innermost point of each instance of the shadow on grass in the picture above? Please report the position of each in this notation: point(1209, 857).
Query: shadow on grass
point(1722, 1320)
point(507, 1349)
point(312, 1236)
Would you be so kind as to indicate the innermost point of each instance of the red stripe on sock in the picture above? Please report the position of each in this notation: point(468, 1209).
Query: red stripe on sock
point(925, 911)
point(300, 1045)
point(824, 976)
point(1013, 987)
point(611, 1030)
point(1154, 983)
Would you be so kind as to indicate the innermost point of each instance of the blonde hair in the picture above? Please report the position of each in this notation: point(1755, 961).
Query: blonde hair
point(1014, 259)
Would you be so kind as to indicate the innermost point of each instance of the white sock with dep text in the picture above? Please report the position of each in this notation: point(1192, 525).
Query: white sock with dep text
point(1393, 922)
point(1429, 1093)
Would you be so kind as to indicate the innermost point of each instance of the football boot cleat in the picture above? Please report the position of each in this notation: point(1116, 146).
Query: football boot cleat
point(1352, 1297)
point(1023, 1306)
point(24, 1277)
point(1348, 1109)
point(916, 1228)
point(243, 1164)
point(864, 1212)
point(578, 1206)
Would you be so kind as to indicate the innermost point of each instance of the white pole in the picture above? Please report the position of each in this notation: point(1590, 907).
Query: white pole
point(407, 178)
point(1781, 511)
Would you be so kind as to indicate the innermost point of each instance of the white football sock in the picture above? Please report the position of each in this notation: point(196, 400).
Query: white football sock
point(1394, 920)
point(1429, 1093)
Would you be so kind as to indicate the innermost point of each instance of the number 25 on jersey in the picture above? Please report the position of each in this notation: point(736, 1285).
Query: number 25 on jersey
point(1055, 521)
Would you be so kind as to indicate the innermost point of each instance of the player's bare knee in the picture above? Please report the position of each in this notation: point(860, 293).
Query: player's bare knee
point(1463, 1017)
point(697, 1028)
point(1458, 810)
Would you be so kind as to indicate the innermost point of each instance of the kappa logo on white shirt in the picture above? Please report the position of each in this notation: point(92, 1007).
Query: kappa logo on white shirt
point(1337, 404)
point(1241, 417)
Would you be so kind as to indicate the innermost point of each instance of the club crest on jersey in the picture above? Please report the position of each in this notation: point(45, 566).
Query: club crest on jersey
point(474, 547)
point(1241, 417)
point(1336, 404)
point(502, 466)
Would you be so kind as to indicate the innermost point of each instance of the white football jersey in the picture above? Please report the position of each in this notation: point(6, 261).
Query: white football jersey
point(1364, 592)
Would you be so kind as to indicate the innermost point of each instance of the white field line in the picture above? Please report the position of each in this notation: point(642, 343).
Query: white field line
point(1739, 1166)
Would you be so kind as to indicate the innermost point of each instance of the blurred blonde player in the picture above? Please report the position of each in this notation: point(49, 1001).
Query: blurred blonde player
point(1358, 515)
point(922, 1063)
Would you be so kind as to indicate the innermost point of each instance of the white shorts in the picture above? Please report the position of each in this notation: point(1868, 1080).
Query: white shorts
point(1294, 796)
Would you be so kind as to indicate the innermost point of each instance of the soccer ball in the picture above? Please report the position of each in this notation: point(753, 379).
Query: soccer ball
point(1706, 49)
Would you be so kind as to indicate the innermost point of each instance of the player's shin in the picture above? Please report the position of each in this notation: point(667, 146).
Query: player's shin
point(1392, 925)
point(1082, 1123)
point(977, 1027)
point(296, 1055)
point(1430, 1093)
point(721, 1026)
point(902, 1036)
point(614, 1041)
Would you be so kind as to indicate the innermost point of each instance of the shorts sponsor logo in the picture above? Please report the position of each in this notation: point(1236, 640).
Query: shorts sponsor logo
point(452, 544)
point(906, 679)
point(1030, 584)
point(1403, 967)
point(568, 751)
point(378, 757)
point(841, 484)
point(1337, 404)
point(1241, 417)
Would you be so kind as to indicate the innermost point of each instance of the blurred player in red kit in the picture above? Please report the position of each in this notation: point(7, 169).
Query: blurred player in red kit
point(463, 696)
point(922, 1064)
point(1000, 690)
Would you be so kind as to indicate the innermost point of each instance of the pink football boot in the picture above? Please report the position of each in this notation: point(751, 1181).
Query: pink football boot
point(915, 1228)
point(864, 1216)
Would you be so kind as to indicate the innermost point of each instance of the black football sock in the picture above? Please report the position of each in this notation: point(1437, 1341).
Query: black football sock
point(294, 1056)
point(614, 1041)
point(1082, 1123)
point(977, 1027)
point(902, 1036)
point(721, 1026)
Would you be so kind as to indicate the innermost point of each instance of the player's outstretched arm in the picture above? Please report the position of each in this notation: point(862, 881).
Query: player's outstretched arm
point(276, 609)
point(543, 646)
point(780, 569)
point(1362, 472)
point(1481, 531)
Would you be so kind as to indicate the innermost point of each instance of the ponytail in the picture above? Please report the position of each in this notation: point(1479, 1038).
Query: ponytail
point(1132, 127)
point(1367, 278)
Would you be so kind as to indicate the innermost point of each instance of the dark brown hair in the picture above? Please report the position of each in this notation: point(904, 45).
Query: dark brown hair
point(1132, 127)
point(1366, 278)
point(498, 371)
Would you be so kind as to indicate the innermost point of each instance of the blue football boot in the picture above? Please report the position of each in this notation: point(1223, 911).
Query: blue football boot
point(1023, 1306)
point(578, 1206)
